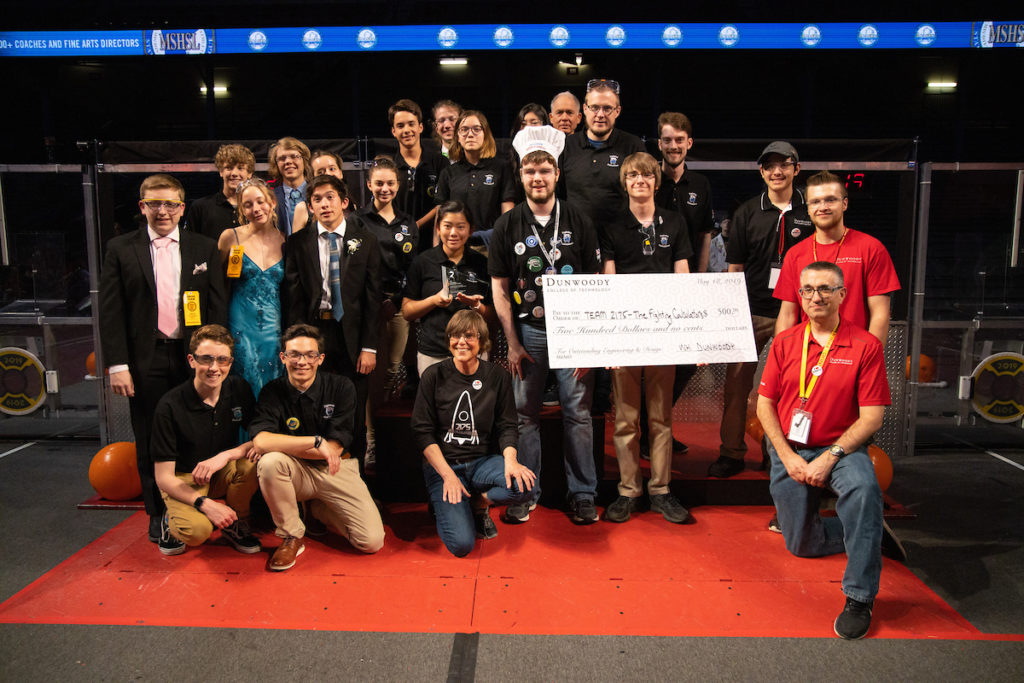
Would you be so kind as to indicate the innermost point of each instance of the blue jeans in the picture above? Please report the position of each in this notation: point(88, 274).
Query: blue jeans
point(857, 528)
point(577, 427)
point(455, 524)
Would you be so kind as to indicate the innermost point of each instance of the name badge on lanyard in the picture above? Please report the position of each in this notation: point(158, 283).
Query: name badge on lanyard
point(235, 261)
point(800, 423)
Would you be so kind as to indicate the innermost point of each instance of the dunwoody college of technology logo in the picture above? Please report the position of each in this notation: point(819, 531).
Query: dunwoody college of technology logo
point(447, 37)
point(258, 40)
point(810, 36)
point(503, 36)
point(925, 35)
point(867, 35)
point(366, 38)
point(615, 36)
point(671, 36)
point(728, 35)
point(312, 39)
point(559, 36)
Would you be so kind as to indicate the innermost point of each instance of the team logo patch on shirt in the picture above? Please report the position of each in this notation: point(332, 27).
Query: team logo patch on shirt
point(566, 270)
point(613, 160)
point(531, 241)
point(292, 423)
point(489, 179)
point(840, 361)
point(405, 229)
point(795, 232)
point(534, 264)
point(478, 385)
point(407, 247)
point(692, 201)
point(520, 248)
point(399, 237)
point(328, 410)
point(236, 414)
point(566, 237)
point(662, 240)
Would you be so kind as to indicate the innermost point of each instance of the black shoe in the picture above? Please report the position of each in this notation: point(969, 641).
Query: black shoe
point(154, 529)
point(169, 545)
point(239, 535)
point(645, 449)
point(621, 508)
point(551, 397)
point(854, 621)
point(891, 546)
point(679, 447)
point(582, 511)
point(774, 526)
point(484, 525)
point(670, 508)
point(725, 467)
point(517, 514)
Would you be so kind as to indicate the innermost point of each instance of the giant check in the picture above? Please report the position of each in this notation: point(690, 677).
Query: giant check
point(652, 319)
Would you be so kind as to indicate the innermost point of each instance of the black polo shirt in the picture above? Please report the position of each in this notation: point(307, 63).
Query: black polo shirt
point(188, 431)
point(482, 187)
point(690, 197)
point(211, 216)
point(327, 408)
point(757, 239)
point(590, 175)
point(416, 186)
point(623, 242)
point(424, 280)
point(467, 416)
point(398, 242)
point(515, 253)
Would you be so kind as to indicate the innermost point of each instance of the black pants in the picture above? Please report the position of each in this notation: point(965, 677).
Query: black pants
point(167, 371)
point(338, 360)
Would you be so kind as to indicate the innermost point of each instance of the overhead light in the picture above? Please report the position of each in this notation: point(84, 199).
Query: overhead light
point(453, 61)
point(579, 58)
point(217, 90)
point(942, 85)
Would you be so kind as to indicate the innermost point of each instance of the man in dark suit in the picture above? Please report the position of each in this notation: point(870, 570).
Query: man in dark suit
point(331, 281)
point(158, 284)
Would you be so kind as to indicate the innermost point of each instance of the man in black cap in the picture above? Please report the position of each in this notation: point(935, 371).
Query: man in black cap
point(763, 229)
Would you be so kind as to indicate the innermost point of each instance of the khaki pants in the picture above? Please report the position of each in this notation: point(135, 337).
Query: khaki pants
point(342, 501)
point(739, 380)
point(657, 384)
point(236, 482)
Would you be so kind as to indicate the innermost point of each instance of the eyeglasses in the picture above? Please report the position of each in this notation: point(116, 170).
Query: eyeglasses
point(210, 360)
point(475, 130)
point(468, 336)
point(824, 291)
point(603, 83)
point(633, 175)
point(778, 165)
point(605, 109)
point(157, 204)
point(289, 157)
point(308, 355)
point(827, 201)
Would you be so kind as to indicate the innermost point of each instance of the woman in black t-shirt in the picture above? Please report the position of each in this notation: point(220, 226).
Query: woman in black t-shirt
point(465, 422)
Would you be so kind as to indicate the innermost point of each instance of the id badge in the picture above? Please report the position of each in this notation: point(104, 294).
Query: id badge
point(800, 426)
point(235, 261)
point(773, 276)
point(190, 301)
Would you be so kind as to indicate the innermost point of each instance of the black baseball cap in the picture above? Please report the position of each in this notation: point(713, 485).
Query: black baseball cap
point(782, 148)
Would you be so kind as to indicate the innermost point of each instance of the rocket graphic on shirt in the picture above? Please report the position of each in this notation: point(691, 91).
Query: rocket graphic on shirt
point(463, 427)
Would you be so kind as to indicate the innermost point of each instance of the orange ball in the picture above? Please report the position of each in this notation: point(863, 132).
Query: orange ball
point(754, 428)
point(90, 363)
point(883, 466)
point(113, 472)
point(925, 369)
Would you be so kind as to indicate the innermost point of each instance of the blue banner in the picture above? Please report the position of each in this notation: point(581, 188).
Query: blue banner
point(472, 37)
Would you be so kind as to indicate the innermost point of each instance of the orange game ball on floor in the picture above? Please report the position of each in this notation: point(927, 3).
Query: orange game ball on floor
point(754, 428)
point(925, 370)
point(113, 472)
point(90, 363)
point(883, 466)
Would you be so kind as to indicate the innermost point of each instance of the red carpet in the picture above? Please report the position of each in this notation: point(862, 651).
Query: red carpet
point(724, 576)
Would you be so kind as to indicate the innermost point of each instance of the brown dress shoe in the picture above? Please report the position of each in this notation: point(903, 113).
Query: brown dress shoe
point(284, 556)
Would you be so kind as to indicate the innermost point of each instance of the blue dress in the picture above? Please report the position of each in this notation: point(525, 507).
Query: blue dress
point(254, 318)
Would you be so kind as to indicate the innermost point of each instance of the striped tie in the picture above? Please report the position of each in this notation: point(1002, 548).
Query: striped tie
point(334, 277)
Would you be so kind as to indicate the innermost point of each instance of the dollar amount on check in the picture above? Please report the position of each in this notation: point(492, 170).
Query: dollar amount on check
point(652, 319)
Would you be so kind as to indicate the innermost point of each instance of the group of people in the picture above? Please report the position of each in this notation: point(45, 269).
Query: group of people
point(301, 294)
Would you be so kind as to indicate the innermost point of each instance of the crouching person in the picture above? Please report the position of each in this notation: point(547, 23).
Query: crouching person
point(303, 428)
point(195, 445)
point(464, 420)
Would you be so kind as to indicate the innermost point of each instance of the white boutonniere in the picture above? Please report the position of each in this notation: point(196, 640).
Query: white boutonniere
point(200, 268)
point(353, 245)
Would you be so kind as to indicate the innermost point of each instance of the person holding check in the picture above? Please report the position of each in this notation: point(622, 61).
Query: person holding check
point(822, 395)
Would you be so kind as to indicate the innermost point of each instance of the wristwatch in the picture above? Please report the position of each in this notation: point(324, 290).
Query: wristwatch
point(837, 450)
point(317, 440)
point(198, 504)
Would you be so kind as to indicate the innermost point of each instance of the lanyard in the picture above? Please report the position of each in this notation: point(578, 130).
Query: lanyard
point(806, 389)
point(814, 245)
point(780, 228)
point(550, 256)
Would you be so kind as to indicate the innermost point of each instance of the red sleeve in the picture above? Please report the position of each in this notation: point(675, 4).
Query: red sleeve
point(769, 387)
point(872, 383)
point(880, 275)
point(789, 280)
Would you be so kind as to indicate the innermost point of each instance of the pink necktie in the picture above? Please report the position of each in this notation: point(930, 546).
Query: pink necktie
point(166, 287)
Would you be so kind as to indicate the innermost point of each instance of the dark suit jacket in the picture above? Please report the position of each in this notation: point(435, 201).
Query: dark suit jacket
point(282, 210)
point(128, 308)
point(360, 283)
